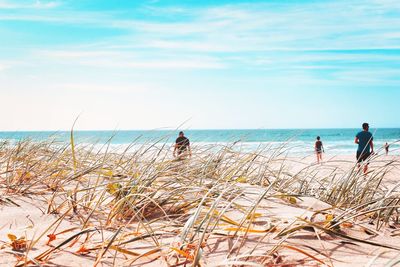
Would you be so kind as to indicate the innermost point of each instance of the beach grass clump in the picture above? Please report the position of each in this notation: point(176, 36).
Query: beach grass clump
point(219, 208)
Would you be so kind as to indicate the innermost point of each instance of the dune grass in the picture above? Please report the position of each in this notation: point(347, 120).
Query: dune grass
point(141, 206)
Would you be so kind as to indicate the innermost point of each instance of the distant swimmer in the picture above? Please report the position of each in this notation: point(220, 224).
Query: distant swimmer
point(182, 147)
point(386, 146)
point(364, 139)
point(319, 148)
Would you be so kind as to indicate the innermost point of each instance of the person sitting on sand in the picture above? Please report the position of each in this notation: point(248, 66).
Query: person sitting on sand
point(319, 148)
point(364, 139)
point(386, 148)
point(182, 146)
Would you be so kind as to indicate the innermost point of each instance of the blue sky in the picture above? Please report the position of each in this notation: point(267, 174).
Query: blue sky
point(215, 64)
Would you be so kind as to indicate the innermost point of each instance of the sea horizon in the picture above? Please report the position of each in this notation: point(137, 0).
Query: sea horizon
point(338, 141)
point(193, 129)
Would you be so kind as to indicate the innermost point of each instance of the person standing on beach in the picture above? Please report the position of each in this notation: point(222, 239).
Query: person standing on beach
point(364, 139)
point(319, 148)
point(182, 146)
point(387, 148)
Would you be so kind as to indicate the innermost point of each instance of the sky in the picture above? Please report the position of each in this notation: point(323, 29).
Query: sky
point(122, 65)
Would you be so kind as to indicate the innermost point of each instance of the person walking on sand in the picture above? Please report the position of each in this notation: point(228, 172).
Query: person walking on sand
point(386, 148)
point(319, 148)
point(364, 139)
point(182, 146)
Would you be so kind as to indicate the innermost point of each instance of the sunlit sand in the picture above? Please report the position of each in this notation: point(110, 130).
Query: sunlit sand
point(70, 205)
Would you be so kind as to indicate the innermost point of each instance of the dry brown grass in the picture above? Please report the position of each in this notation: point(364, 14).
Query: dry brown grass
point(141, 206)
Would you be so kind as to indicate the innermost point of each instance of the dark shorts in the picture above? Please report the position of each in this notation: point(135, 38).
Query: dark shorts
point(181, 151)
point(319, 151)
point(362, 156)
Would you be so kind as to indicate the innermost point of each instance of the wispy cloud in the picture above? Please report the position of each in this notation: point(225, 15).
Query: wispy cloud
point(2, 66)
point(247, 27)
point(28, 4)
point(95, 87)
point(263, 36)
point(123, 59)
point(8, 64)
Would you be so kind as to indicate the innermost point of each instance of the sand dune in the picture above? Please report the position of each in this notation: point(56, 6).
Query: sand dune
point(219, 209)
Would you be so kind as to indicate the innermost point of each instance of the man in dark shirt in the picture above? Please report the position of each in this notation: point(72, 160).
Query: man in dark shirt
point(364, 139)
point(182, 145)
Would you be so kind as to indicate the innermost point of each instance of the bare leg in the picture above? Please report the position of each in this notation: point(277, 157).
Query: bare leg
point(358, 167)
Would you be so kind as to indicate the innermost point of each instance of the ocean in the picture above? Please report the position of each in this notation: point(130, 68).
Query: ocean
point(300, 141)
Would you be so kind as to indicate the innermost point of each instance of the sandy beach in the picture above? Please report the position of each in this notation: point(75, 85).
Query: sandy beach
point(190, 133)
point(71, 206)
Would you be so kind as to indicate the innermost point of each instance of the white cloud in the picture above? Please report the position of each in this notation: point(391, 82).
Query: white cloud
point(247, 27)
point(255, 35)
point(95, 87)
point(5, 65)
point(71, 54)
point(256, 27)
point(126, 59)
point(28, 4)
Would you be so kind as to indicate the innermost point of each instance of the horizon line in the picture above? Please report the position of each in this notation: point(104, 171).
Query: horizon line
point(194, 129)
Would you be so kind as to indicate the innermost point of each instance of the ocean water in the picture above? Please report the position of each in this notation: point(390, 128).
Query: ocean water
point(299, 141)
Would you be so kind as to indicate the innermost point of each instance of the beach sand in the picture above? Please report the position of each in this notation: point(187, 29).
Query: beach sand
point(286, 228)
